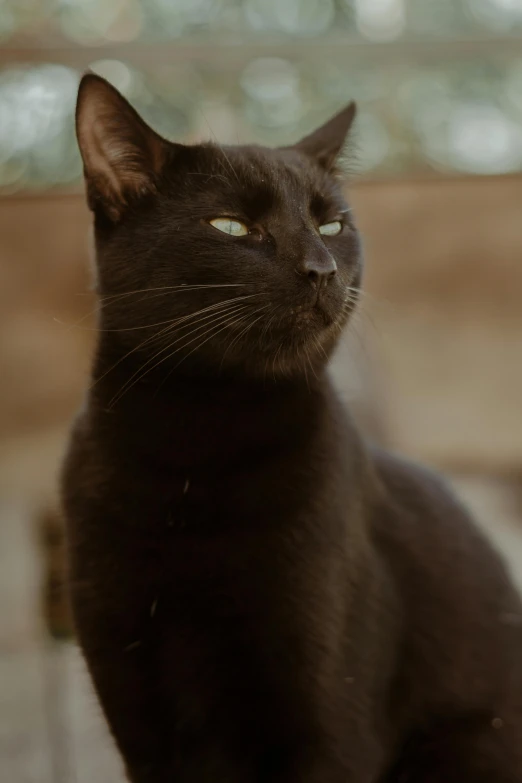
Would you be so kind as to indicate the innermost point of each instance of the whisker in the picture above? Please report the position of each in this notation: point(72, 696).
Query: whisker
point(306, 374)
point(172, 324)
point(311, 363)
point(160, 323)
point(234, 173)
point(238, 336)
point(133, 379)
point(230, 310)
point(320, 347)
point(265, 330)
point(163, 289)
point(226, 325)
point(168, 288)
point(275, 360)
point(207, 175)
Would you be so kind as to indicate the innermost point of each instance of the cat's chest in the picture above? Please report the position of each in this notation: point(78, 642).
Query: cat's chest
point(192, 542)
point(206, 567)
point(236, 551)
point(189, 505)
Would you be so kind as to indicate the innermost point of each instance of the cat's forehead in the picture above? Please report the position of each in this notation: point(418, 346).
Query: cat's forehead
point(279, 168)
point(284, 173)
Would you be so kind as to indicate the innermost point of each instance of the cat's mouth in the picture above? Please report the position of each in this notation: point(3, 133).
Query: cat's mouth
point(321, 313)
point(315, 314)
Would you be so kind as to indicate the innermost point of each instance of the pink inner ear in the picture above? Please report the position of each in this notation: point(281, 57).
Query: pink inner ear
point(121, 154)
point(103, 153)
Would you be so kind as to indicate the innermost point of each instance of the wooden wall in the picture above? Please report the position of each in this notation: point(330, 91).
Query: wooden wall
point(434, 363)
point(434, 366)
point(445, 273)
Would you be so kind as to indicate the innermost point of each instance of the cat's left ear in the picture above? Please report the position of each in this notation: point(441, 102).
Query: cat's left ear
point(122, 156)
point(326, 143)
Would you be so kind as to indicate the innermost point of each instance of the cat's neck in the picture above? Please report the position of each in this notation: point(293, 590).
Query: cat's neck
point(198, 419)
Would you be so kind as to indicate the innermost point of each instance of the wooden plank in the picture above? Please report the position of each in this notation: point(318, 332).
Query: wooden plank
point(92, 751)
point(24, 746)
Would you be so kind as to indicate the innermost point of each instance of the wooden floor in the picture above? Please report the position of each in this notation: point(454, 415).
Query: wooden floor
point(51, 730)
point(50, 727)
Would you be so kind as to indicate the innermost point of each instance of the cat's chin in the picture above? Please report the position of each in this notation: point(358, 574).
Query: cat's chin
point(306, 343)
point(287, 342)
point(313, 319)
point(317, 322)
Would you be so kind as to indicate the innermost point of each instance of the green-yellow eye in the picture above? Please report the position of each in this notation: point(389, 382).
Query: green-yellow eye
point(331, 229)
point(230, 226)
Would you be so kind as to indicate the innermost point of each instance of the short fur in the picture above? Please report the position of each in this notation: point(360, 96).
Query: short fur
point(260, 596)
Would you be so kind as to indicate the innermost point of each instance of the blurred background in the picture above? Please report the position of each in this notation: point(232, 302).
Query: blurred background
point(433, 364)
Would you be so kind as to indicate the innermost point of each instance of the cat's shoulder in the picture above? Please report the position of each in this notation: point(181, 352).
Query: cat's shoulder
point(418, 506)
point(409, 481)
point(420, 521)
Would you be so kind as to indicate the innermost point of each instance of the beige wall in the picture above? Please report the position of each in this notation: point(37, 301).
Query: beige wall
point(445, 271)
point(439, 340)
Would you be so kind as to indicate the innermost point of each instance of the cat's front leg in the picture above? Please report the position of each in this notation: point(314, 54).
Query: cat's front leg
point(122, 668)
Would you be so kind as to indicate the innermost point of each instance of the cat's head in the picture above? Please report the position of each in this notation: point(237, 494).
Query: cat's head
point(217, 257)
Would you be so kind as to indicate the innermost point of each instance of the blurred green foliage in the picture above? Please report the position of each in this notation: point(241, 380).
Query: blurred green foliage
point(439, 82)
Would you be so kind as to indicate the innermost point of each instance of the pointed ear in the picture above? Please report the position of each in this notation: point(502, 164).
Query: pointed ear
point(326, 143)
point(122, 156)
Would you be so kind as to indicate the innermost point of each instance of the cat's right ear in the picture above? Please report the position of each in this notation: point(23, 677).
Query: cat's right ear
point(325, 144)
point(122, 156)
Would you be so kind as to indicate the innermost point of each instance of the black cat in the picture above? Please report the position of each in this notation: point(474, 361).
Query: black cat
point(260, 597)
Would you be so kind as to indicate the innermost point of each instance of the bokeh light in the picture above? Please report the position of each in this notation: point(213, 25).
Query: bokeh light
point(501, 15)
point(272, 89)
point(36, 134)
point(299, 17)
point(380, 20)
point(426, 103)
point(92, 22)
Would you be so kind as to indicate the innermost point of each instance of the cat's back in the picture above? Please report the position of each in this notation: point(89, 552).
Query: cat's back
point(418, 513)
point(463, 643)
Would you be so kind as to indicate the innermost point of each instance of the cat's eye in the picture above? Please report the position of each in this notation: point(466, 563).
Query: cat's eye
point(331, 229)
point(229, 226)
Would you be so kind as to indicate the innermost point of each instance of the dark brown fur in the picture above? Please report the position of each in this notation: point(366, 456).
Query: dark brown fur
point(260, 596)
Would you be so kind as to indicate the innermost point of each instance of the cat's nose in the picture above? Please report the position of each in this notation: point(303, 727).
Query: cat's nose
point(318, 269)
